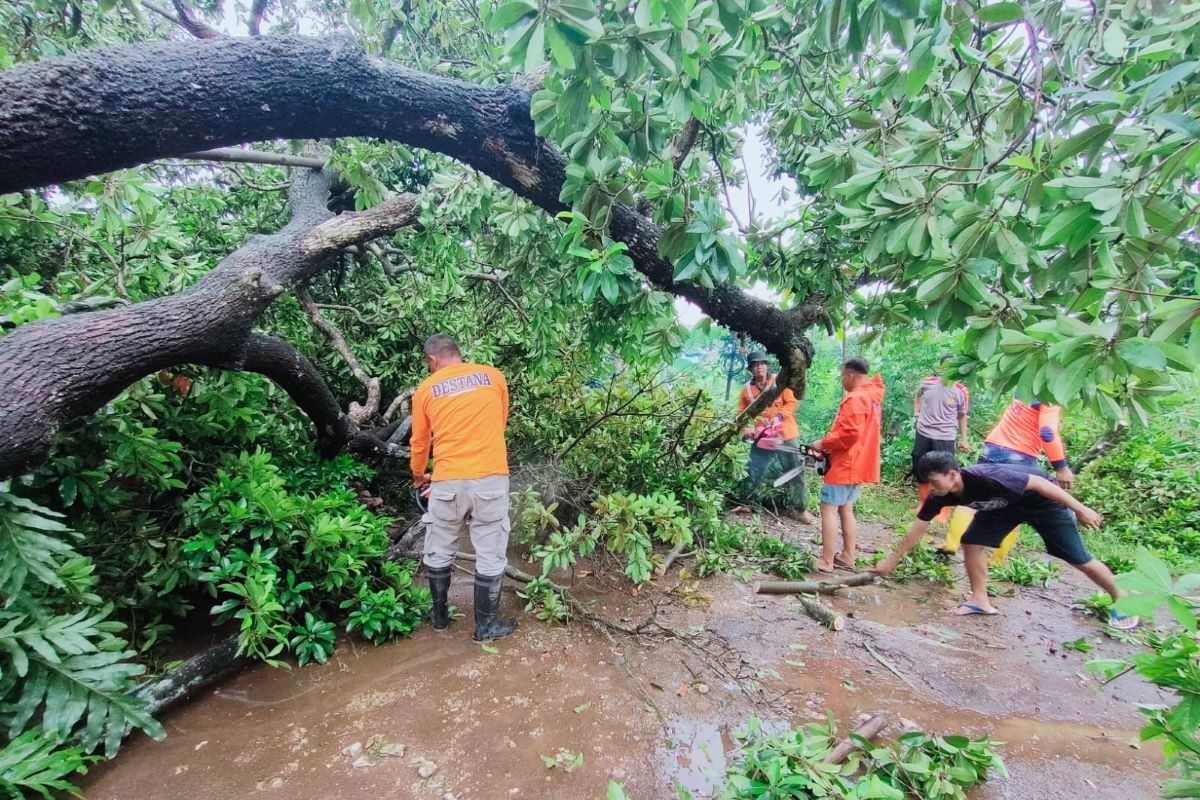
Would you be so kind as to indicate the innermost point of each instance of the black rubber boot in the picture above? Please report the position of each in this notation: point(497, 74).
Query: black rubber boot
point(488, 624)
point(439, 586)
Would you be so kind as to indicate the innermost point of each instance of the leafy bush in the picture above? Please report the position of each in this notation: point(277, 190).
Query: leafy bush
point(283, 563)
point(1173, 663)
point(1148, 490)
point(921, 563)
point(1024, 571)
point(794, 764)
point(65, 674)
point(748, 550)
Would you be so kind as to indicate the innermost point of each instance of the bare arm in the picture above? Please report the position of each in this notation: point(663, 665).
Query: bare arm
point(1087, 517)
point(916, 532)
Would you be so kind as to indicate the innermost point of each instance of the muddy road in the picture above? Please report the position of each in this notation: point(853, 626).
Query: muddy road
point(437, 716)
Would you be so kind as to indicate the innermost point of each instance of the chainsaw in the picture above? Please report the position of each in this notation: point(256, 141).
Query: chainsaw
point(812, 461)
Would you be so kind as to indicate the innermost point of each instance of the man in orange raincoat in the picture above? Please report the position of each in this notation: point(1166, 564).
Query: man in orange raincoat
point(853, 448)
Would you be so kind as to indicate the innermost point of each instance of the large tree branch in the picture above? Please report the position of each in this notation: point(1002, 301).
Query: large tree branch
point(66, 118)
point(56, 370)
point(358, 413)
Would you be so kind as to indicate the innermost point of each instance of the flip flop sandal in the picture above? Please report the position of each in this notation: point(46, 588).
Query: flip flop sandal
point(839, 564)
point(1121, 622)
point(824, 571)
point(973, 610)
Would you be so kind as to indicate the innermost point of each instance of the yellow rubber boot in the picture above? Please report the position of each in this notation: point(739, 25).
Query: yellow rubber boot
point(1006, 546)
point(960, 518)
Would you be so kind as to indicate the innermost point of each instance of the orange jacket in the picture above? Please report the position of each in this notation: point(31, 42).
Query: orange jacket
point(465, 408)
point(784, 405)
point(853, 441)
point(1030, 429)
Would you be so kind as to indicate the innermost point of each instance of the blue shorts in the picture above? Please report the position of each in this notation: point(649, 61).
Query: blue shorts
point(839, 494)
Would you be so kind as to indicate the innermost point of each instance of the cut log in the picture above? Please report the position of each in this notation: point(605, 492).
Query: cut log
point(668, 561)
point(868, 730)
point(822, 613)
point(194, 674)
point(828, 586)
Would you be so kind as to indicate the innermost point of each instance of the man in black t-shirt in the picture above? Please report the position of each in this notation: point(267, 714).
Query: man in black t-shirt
point(1004, 496)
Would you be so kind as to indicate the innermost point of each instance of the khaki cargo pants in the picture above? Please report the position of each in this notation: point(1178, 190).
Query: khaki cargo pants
point(479, 504)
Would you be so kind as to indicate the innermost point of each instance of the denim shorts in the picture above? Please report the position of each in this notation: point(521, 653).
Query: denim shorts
point(995, 454)
point(839, 494)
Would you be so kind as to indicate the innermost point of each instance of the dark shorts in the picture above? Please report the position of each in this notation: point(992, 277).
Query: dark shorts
point(1054, 523)
point(923, 444)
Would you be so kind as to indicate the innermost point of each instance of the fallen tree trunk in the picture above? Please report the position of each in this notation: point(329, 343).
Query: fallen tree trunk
point(868, 730)
point(822, 613)
point(195, 673)
point(828, 586)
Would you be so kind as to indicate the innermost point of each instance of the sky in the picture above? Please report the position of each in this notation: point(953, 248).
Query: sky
point(763, 191)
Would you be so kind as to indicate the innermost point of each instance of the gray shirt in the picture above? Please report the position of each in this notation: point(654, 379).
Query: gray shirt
point(942, 407)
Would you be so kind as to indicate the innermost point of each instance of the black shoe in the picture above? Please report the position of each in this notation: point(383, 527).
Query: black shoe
point(439, 586)
point(488, 624)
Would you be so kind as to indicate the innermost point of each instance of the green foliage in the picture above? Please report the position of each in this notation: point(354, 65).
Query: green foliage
point(1148, 490)
point(793, 764)
point(748, 550)
point(1021, 570)
point(64, 671)
point(283, 562)
point(1173, 664)
point(36, 761)
point(921, 563)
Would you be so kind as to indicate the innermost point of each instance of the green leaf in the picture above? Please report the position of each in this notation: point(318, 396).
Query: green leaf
point(510, 13)
point(902, 9)
point(535, 53)
point(1142, 353)
point(935, 286)
point(1064, 224)
point(1114, 41)
point(1168, 80)
point(922, 63)
point(1000, 13)
point(1180, 123)
point(1088, 141)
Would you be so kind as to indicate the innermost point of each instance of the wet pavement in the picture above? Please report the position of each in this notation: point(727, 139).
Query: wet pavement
point(437, 716)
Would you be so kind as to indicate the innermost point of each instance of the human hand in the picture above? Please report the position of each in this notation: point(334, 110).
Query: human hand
point(886, 566)
point(964, 446)
point(422, 481)
point(1089, 518)
point(747, 432)
point(1065, 477)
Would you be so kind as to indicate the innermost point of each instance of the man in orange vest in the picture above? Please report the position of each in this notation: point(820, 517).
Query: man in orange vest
point(465, 408)
point(775, 424)
point(853, 448)
point(1023, 432)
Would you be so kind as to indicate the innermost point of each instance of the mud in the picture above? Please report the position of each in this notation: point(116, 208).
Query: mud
point(436, 716)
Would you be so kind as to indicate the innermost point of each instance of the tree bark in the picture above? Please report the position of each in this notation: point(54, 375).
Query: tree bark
point(195, 673)
point(828, 586)
point(69, 117)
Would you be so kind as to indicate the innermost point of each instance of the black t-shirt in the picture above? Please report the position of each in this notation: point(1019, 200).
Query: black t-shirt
point(986, 487)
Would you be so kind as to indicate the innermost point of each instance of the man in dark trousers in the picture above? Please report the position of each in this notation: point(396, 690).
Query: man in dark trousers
point(1004, 496)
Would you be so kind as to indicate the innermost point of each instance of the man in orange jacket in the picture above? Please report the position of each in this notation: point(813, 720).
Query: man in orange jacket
point(775, 424)
point(465, 409)
point(853, 448)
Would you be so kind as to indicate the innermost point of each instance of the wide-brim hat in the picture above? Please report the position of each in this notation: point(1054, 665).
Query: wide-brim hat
point(755, 355)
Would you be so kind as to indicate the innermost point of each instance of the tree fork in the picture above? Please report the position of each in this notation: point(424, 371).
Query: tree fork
point(56, 370)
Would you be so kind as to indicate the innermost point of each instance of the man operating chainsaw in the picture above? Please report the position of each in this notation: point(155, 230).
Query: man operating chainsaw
point(464, 408)
point(774, 425)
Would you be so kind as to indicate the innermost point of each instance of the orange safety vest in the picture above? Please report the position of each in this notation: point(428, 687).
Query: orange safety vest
point(784, 405)
point(465, 408)
point(1030, 429)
